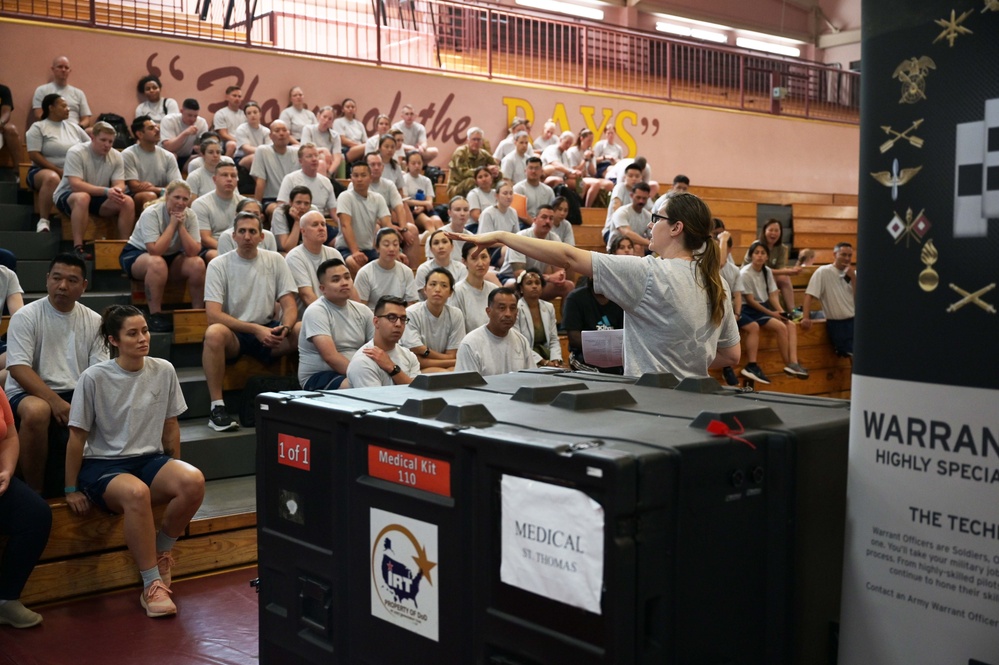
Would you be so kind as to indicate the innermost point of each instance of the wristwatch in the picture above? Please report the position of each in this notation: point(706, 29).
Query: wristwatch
point(426, 354)
point(395, 370)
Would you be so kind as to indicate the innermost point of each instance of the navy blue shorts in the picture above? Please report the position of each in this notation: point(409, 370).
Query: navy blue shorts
point(249, 345)
point(66, 396)
point(751, 315)
point(95, 474)
point(131, 254)
point(32, 172)
point(326, 380)
point(62, 203)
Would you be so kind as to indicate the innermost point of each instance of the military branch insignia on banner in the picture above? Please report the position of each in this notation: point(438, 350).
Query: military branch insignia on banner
point(953, 27)
point(914, 141)
point(912, 73)
point(896, 178)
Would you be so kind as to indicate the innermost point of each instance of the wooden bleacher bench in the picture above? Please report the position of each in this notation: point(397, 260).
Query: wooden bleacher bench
point(4, 322)
point(87, 554)
point(189, 327)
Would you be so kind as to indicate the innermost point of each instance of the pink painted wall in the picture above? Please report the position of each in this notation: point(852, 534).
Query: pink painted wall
point(714, 148)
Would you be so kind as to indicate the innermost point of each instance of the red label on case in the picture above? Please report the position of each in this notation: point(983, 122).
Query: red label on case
point(294, 451)
point(423, 473)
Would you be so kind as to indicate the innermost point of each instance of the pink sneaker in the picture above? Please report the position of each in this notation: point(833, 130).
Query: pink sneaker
point(164, 561)
point(156, 601)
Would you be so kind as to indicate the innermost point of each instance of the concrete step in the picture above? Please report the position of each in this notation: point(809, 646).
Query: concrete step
point(195, 390)
point(109, 280)
point(95, 300)
point(8, 192)
point(218, 454)
point(31, 274)
point(15, 217)
point(28, 245)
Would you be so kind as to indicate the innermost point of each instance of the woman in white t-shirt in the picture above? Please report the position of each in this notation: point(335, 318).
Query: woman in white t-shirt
point(678, 317)
point(421, 205)
point(123, 453)
point(353, 135)
point(297, 115)
point(156, 106)
point(47, 142)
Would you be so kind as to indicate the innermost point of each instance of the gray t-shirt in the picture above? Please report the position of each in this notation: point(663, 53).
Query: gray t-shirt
point(480, 200)
point(248, 289)
point(323, 196)
point(349, 327)
point(626, 218)
point(54, 139)
point(373, 282)
point(328, 139)
point(364, 212)
point(157, 110)
point(513, 256)
point(200, 181)
point(57, 345)
point(214, 213)
point(123, 412)
point(438, 333)
point(565, 233)
point(537, 196)
point(9, 284)
point(154, 220)
point(364, 372)
point(246, 135)
point(667, 320)
point(297, 120)
point(173, 126)
point(415, 134)
point(828, 284)
point(75, 99)
point(81, 162)
point(279, 221)
point(472, 302)
point(303, 265)
point(492, 219)
point(352, 129)
point(514, 167)
point(485, 353)
point(758, 285)
point(272, 167)
point(226, 118)
point(158, 167)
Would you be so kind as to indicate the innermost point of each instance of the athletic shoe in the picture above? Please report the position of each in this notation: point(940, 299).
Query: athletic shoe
point(794, 369)
point(164, 561)
point(796, 314)
point(220, 420)
point(13, 613)
point(155, 600)
point(42, 226)
point(160, 323)
point(730, 376)
point(753, 372)
point(81, 253)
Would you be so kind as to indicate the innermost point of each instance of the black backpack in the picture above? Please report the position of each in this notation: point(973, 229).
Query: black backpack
point(122, 138)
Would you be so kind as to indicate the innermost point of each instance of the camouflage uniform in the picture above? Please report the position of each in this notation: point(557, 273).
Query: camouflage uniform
point(461, 169)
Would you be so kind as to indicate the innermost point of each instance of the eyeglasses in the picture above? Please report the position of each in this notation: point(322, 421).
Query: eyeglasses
point(395, 318)
point(661, 218)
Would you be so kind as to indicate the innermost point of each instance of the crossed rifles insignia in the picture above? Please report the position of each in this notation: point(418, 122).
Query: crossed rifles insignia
point(912, 73)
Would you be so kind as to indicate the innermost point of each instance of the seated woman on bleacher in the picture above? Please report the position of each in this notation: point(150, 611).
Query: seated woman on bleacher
point(435, 328)
point(25, 519)
point(155, 106)
point(165, 247)
point(771, 235)
point(536, 320)
point(47, 142)
point(762, 306)
point(124, 451)
point(201, 180)
point(561, 226)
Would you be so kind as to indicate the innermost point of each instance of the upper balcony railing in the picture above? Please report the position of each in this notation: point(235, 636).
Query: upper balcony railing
point(484, 42)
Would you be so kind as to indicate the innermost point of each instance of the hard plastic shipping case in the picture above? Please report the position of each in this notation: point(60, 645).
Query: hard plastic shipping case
point(445, 500)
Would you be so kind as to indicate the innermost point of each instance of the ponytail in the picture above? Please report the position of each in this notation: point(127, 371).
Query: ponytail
point(697, 223)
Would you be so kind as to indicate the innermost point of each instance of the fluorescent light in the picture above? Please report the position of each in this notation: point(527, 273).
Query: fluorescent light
point(564, 8)
point(696, 33)
point(757, 45)
point(770, 38)
point(694, 21)
point(709, 36)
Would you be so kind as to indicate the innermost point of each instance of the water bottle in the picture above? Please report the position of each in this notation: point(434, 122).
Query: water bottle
point(420, 195)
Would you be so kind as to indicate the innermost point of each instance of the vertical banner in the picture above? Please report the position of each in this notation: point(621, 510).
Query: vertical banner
point(921, 572)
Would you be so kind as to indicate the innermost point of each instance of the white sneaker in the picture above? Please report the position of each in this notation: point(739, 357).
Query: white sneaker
point(42, 226)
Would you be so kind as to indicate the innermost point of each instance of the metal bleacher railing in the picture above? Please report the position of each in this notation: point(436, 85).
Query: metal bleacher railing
point(487, 42)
